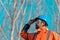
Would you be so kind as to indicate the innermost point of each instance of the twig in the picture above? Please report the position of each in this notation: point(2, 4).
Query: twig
point(19, 11)
point(5, 8)
point(1, 31)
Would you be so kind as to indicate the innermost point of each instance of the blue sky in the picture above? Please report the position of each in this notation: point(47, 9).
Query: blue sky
point(44, 10)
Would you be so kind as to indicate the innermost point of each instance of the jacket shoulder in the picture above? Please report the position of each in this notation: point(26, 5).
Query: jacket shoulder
point(56, 36)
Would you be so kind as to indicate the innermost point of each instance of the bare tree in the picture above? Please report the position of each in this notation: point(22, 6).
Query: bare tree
point(14, 17)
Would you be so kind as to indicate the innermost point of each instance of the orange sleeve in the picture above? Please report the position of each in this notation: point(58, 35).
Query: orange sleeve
point(56, 36)
point(24, 35)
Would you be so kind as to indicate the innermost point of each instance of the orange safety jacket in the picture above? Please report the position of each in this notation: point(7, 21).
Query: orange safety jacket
point(42, 34)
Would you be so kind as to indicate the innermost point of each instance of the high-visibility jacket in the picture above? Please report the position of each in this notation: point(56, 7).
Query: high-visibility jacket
point(42, 34)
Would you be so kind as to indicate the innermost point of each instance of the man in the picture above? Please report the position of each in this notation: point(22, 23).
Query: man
point(42, 32)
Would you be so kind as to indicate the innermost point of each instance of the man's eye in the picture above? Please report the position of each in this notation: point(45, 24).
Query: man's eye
point(37, 21)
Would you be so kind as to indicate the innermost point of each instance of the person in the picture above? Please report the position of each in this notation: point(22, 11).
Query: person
point(42, 31)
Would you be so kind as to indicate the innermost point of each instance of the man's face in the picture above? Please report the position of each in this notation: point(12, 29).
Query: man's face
point(40, 23)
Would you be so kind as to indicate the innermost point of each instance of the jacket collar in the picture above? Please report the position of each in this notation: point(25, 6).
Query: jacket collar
point(43, 29)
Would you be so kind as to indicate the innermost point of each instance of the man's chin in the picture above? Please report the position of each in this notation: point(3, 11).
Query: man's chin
point(36, 27)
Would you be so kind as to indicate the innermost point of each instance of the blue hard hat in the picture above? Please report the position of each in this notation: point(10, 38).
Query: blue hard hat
point(44, 18)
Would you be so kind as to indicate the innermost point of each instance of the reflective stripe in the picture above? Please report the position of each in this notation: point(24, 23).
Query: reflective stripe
point(27, 37)
point(33, 36)
point(47, 38)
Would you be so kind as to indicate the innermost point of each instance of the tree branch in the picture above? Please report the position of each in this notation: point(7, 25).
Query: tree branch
point(13, 23)
point(1, 30)
point(5, 8)
point(22, 22)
